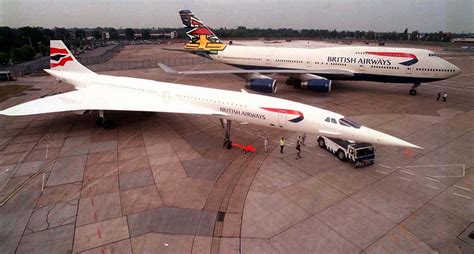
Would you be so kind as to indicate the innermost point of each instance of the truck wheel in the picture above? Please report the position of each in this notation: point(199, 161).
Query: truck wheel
point(321, 143)
point(341, 155)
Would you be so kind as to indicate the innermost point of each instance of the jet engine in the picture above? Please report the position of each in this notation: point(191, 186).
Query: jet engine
point(311, 82)
point(318, 85)
point(261, 83)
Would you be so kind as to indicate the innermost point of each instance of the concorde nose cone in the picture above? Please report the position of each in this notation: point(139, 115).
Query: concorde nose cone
point(377, 137)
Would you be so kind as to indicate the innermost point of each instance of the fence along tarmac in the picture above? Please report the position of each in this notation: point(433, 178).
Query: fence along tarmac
point(99, 63)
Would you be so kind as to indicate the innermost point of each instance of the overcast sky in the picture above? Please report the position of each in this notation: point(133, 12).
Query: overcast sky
point(377, 15)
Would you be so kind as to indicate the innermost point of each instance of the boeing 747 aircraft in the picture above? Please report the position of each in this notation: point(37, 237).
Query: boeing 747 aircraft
point(314, 69)
point(105, 92)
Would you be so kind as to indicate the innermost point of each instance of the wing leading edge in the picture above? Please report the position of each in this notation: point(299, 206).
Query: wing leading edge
point(93, 99)
point(263, 71)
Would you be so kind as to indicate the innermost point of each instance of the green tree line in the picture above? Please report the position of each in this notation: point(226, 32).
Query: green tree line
point(27, 43)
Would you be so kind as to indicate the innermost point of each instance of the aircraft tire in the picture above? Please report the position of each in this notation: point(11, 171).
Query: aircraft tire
point(100, 122)
point(413, 92)
point(108, 125)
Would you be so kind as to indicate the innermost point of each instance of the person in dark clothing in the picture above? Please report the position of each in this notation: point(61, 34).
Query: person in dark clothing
point(439, 96)
point(298, 148)
point(445, 95)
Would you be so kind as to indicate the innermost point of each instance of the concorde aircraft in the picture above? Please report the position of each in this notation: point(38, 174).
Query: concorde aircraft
point(314, 69)
point(105, 92)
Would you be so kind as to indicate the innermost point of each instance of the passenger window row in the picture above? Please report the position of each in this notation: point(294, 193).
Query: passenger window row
point(243, 58)
point(288, 61)
point(385, 67)
point(440, 70)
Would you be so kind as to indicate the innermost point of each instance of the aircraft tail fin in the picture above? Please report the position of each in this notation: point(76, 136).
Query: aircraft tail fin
point(200, 35)
point(63, 60)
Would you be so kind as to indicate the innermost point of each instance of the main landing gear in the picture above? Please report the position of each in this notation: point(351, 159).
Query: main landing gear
point(413, 89)
point(296, 83)
point(102, 122)
point(226, 126)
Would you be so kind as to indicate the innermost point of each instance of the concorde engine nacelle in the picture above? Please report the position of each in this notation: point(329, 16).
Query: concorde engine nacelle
point(311, 82)
point(261, 83)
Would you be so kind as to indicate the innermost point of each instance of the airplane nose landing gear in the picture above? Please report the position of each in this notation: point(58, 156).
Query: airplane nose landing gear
point(102, 122)
point(226, 126)
point(413, 89)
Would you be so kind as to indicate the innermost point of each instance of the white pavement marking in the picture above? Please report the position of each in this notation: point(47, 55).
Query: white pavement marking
point(380, 171)
point(463, 188)
point(406, 172)
point(457, 194)
point(432, 166)
point(403, 178)
point(305, 149)
point(431, 186)
point(385, 166)
point(320, 154)
point(432, 179)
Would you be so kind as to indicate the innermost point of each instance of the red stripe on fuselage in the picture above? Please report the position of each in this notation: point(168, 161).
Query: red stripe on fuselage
point(393, 54)
point(287, 111)
point(62, 62)
point(57, 50)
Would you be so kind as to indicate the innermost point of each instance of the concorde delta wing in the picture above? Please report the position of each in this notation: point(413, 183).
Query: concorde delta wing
point(96, 99)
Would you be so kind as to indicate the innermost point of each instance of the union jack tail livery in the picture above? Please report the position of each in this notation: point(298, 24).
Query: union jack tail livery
point(63, 60)
point(201, 36)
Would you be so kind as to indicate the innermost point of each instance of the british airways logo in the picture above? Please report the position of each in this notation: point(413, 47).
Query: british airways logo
point(299, 116)
point(378, 61)
point(59, 57)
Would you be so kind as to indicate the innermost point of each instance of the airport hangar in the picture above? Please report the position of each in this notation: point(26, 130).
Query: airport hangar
point(162, 182)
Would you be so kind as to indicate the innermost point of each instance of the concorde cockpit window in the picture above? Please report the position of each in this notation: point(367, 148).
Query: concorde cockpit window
point(333, 120)
point(348, 122)
point(327, 119)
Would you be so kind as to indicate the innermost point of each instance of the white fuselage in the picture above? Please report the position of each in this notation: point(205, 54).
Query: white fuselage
point(237, 106)
point(367, 63)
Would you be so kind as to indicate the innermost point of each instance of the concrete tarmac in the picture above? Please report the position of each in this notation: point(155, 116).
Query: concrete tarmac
point(161, 183)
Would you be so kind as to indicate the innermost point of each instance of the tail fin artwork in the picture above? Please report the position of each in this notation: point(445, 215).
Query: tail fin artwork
point(63, 60)
point(201, 36)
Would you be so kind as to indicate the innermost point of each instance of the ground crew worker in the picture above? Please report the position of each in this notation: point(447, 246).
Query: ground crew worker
point(445, 95)
point(303, 139)
point(282, 144)
point(439, 96)
point(298, 148)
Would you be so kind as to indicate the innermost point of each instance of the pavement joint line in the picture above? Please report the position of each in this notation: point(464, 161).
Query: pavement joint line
point(457, 194)
point(430, 166)
point(407, 172)
point(461, 187)
point(380, 171)
point(403, 178)
point(432, 179)
point(431, 186)
point(385, 166)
